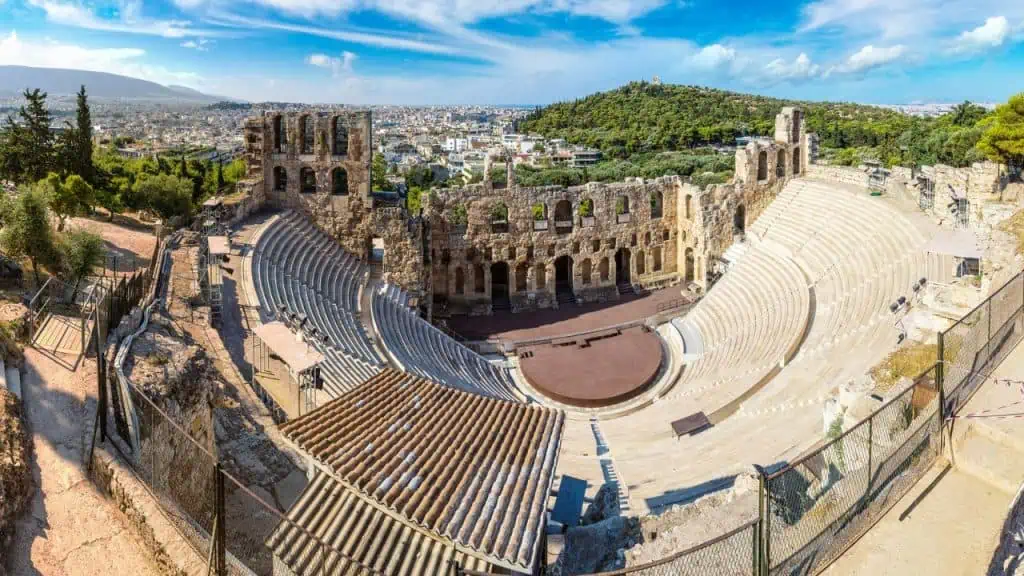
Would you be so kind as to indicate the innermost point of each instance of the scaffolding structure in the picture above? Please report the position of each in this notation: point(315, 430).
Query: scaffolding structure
point(926, 192)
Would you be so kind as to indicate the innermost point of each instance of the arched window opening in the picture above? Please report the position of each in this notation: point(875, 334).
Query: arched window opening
point(665, 236)
point(478, 279)
point(585, 271)
point(521, 273)
point(739, 224)
point(541, 280)
point(460, 281)
point(563, 216)
point(280, 179)
point(689, 202)
point(279, 135)
point(647, 238)
point(602, 269)
point(780, 164)
point(689, 277)
point(796, 161)
point(622, 209)
point(308, 181)
point(339, 182)
point(656, 208)
point(762, 165)
point(499, 218)
point(656, 256)
point(306, 132)
point(340, 136)
point(539, 212)
point(641, 262)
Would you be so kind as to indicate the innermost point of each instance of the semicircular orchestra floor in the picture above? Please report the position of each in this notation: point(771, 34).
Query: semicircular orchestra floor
point(594, 373)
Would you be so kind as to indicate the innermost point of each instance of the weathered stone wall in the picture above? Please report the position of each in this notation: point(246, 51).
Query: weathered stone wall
point(841, 174)
point(467, 259)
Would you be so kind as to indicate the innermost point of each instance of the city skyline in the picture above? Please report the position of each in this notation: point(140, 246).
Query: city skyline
point(530, 52)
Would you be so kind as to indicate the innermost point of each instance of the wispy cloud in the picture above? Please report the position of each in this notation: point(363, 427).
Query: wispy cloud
point(337, 65)
point(380, 40)
point(869, 58)
point(124, 61)
point(131, 22)
point(199, 44)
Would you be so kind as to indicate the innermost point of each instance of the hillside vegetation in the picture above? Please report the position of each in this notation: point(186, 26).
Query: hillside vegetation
point(643, 118)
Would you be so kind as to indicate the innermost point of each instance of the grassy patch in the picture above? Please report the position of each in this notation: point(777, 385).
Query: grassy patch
point(1015, 225)
point(910, 361)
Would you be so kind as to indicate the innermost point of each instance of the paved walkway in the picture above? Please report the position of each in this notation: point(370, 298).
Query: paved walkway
point(71, 528)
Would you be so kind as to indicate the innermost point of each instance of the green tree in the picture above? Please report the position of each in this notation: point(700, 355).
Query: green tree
point(72, 197)
point(26, 143)
point(27, 232)
point(414, 200)
point(379, 174)
point(967, 114)
point(1003, 140)
point(78, 148)
point(80, 252)
point(166, 195)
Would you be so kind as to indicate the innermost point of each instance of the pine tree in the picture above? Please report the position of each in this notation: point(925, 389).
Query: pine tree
point(81, 163)
point(36, 146)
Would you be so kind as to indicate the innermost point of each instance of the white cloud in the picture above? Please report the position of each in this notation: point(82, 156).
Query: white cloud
point(713, 57)
point(200, 44)
point(338, 66)
point(800, 68)
point(131, 22)
point(868, 58)
point(124, 61)
point(992, 34)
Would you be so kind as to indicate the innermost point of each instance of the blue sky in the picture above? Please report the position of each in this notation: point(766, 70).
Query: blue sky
point(531, 51)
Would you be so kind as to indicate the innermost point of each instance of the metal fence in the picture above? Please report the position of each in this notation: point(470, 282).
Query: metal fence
point(817, 507)
point(978, 342)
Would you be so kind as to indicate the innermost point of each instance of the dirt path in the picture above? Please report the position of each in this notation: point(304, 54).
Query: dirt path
point(70, 529)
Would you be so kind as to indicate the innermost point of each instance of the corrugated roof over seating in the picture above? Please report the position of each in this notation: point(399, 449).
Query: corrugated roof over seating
point(472, 469)
point(333, 530)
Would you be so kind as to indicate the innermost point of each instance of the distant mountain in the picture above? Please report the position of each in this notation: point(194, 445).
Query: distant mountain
point(57, 81)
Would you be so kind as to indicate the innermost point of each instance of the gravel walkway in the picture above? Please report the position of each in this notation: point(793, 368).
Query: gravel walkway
point(71, 528)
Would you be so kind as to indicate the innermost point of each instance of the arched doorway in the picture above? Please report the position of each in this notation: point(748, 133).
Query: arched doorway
point(762, 165)
point(499, 286)
point(622, 266)
point(780, 164)
point(563, 278)
point(796, 161)
point(689, 265)
point(739, 221)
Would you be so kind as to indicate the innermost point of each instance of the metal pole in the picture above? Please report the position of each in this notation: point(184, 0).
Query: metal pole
point(219, 526)
point(871, 421)
point(940, 370)
point(764, 512)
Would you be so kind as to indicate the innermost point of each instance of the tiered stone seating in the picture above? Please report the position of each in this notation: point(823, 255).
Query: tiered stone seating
point(422, 349)
point(296, 265)
point(858, 254)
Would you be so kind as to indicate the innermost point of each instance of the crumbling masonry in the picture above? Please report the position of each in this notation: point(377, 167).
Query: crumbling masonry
point(482, 246)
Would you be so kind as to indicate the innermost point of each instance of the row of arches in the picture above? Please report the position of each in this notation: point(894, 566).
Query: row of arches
point(780, 164)
point(307, 135)
point(308, 180)
point(564, 208)
point(504, 282)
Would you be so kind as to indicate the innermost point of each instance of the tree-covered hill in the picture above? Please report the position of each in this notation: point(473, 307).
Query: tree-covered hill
point(642, 117)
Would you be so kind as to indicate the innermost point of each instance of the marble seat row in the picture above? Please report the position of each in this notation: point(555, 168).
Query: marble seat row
point(858, 254)
point(422, 349)
point(296, 265)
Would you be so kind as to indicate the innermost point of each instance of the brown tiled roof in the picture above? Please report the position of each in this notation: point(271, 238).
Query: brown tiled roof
point(332, 529)
point(472, 469)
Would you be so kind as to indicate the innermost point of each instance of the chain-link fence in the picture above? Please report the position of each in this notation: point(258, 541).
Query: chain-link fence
point(816, 507)
point(979, 341)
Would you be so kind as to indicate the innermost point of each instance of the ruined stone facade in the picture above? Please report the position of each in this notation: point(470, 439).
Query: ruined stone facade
point(481, 246)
